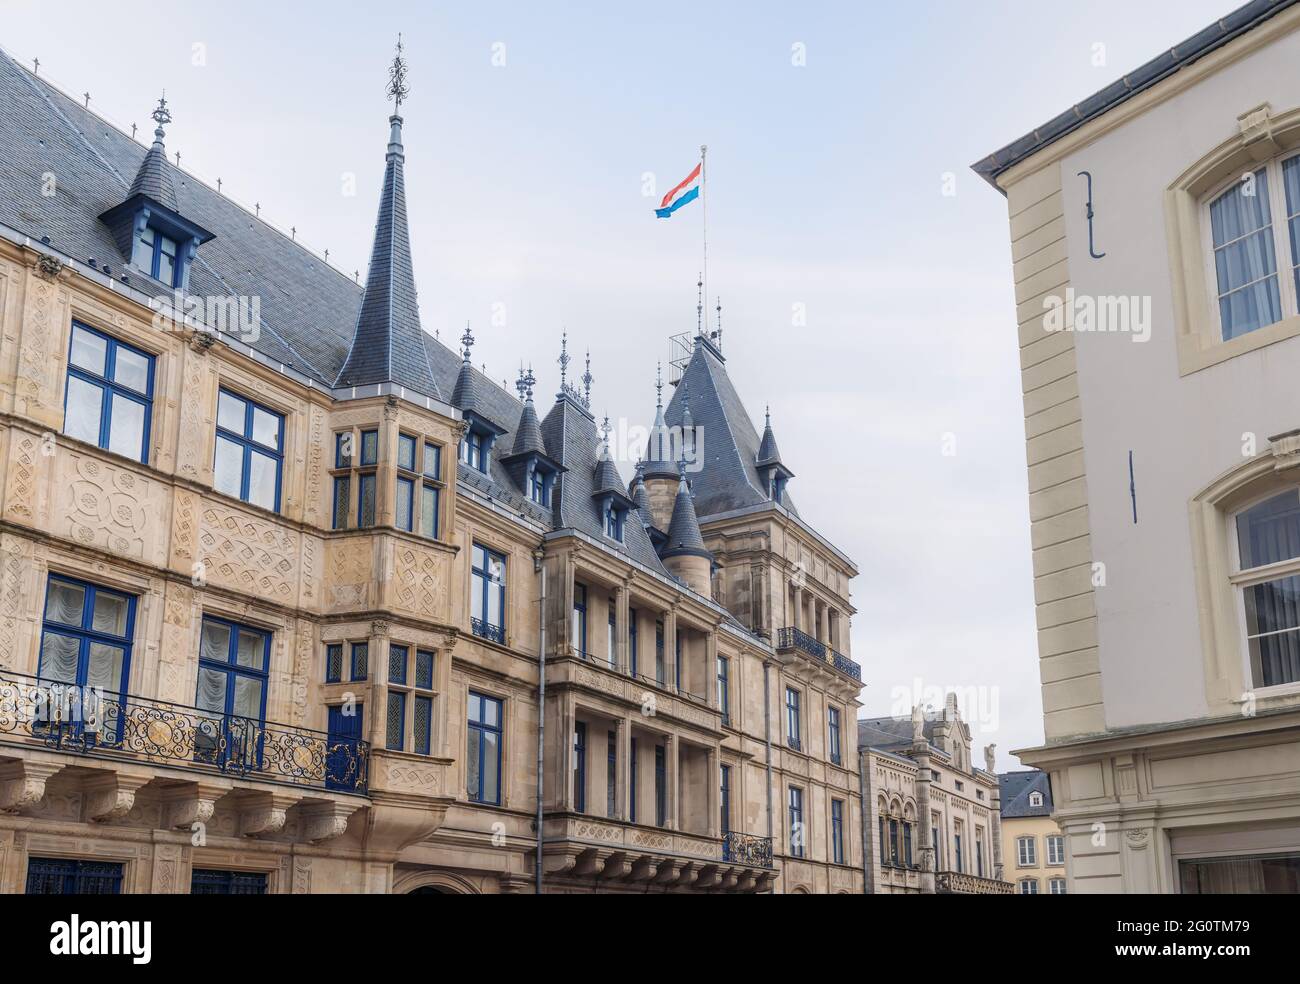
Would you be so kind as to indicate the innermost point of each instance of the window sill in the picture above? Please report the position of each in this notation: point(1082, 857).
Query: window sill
point(1196, 353)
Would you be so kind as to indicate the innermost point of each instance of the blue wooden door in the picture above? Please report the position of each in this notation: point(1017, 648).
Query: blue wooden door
point(343, 766)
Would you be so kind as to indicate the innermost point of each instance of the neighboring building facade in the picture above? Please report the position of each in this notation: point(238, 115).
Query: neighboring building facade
point(342, 603)
point(1033, 847)
point(932, 815)
point(1156, 221)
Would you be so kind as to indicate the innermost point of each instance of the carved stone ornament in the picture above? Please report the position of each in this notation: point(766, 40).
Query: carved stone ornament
point(1285, 449)
point(202, 339)
point(48, 267)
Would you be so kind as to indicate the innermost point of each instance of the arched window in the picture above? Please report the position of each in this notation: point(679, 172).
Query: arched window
point(1267, 576)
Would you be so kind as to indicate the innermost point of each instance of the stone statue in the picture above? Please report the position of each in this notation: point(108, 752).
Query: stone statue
point(918, 723)
point(990, 762)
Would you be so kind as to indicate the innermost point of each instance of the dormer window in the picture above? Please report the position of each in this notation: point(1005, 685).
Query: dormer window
point(539, 486)
point(156, 255)
point(476, 445)
point(615, 516)
point(471, 450)
point(1035, 798)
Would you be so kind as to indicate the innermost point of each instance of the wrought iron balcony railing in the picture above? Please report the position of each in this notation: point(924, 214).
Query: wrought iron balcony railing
point(747, 849)
point(791, 638)
point(486, 630)
point(85, 722)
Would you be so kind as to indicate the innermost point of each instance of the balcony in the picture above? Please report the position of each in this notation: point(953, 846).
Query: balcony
point(960, 883)
point(65, 718)
point(748, 849)
point(488, 631)
point(630, 856)
point(789, 638)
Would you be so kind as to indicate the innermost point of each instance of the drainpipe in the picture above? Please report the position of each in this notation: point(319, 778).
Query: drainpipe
point(540, 568)
point(767, 738)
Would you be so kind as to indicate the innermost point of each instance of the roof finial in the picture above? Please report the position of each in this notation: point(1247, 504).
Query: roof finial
point(530, 381)
point(564, 358)
point(521, 384)
point(699, 305)
point(605, 428)
point(587, 379)
point(767, 410)
point(659, 384)
point(162, 116)
point(398, 89)
point(718, 336)
point(467, 340)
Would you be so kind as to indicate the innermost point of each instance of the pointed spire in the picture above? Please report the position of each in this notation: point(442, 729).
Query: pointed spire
point(684, 538)
point(388, 345)
point(718, 337)
point(528, 433)
point(640, 495)
point(659, 452)
point(153, 179)
point(465, 396)
point(768, 454)
point(587, 379)
point(607, 477)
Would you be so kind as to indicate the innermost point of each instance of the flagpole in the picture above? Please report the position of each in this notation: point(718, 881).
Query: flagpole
point(704, 219)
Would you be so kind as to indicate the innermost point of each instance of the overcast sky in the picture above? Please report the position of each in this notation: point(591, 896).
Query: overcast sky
point(831, 127)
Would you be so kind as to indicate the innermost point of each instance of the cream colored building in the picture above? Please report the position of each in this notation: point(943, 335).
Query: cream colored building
point(1154, 248)
point(932, 814)
point(1033, 847)
point(294, 599)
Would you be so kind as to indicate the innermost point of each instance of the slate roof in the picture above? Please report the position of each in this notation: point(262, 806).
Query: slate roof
point(1015, 790)
point(768, 452)
point(528, 431)
point(1168, 62)
point(684, 537)
point(890, 733)
point(154, 178)
point(388, 345)
point(727, 441)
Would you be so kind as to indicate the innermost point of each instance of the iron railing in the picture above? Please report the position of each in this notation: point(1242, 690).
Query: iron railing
point(84, 721)
point(486, 630)
point(749, 849)
point(789, 637)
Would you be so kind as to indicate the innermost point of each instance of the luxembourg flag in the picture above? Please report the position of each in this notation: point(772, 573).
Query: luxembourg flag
point(687, 191)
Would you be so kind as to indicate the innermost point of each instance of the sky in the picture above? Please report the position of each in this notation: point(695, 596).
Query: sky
point(864, 271)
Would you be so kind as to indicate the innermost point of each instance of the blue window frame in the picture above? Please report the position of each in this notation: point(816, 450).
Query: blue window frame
point(109, 398)
point(979, 858)
point(580, 619)
point(580, 766)
point(157, 255)
point(360, 661)
point(724, 688)
point(422, 723)
point(488, 594)
point(366, 499)
point(893, 842)
point(631, 642)
point(432, 465)
point(796, 822)
point(72, 876)
point(483, 755)
point(210, 881)
point(661, 787)
point(632, 774)
point(343, 449)
point(660, 669)
point(611, 634)
point(398, 656)
point(724, 799)
point(406, 446)
point(86, 635)
point(614, 523)
point(833, 727)
point(539, 487)
point(369, 448)
point(334, 663)
point(907, 843)
point(677, 660)
point(792, 718)
point(424, 669)
point(342, 495)
point(837, 831)
point(956, 842)
point(430, 500)
point(471, 450)
point(232, 684)
point(249, 457)
point(611, 774)
point(404, 514)
point(394, 733)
